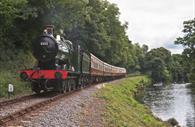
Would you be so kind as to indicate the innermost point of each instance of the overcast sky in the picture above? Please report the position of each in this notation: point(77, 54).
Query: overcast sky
point(156, 22)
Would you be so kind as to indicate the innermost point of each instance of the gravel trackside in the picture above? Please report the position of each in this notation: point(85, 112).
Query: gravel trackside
point(80, 109)
point(8, 109)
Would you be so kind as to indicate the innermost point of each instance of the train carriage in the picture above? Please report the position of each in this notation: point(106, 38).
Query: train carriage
point(97, 66)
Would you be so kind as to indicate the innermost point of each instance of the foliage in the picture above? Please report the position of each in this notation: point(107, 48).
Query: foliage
point(164, 67)
point(94, 24)
point(121, 107)
point(188, 40)
point(179, 68)
point(156, 64)
point(189, 36)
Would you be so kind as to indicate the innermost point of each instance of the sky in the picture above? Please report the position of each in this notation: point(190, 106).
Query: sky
point(156, 23)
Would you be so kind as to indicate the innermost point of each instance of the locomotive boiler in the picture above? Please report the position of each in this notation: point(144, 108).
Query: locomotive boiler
point(64, 66)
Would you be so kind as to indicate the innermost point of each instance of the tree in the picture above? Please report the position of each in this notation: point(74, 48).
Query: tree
point(94, 24)
point(188, 40)
point(179, 68)
point(156, 64)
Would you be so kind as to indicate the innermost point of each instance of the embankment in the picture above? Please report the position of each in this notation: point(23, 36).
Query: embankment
point(121, 107)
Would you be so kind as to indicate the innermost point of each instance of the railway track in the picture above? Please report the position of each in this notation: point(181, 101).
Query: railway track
point(16, 100)
point(10, 117)
point(14, 115)
point(21, 99)
point(12, 109)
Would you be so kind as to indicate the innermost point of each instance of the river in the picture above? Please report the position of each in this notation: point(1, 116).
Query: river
point(172, 101)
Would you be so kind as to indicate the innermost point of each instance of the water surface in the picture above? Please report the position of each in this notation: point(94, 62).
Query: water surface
point(172, 101)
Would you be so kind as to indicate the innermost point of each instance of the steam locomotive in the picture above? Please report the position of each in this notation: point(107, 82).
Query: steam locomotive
point(64, 66)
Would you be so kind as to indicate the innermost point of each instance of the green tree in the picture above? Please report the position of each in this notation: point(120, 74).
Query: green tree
point(188, 40)
point(157, 63)
point(179, 68)
point(94, 24)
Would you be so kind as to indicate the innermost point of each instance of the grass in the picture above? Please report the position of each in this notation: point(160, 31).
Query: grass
point(9, 66)
point(6, 78)
point(122, 110)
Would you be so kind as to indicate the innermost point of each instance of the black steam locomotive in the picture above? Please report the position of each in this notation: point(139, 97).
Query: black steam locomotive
point(63, 66)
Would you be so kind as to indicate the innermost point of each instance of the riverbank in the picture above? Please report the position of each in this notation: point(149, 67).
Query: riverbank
point(121, 108)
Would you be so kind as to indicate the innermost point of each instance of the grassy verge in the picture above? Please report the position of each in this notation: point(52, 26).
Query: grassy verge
point(9, 66)
point(20, 87)
point(122, 110)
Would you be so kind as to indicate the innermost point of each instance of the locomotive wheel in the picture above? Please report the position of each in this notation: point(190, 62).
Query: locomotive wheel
point(37, 90)
point(69, 85)
point(73, 84)
point(86, 81)
point(77, 83)
point(63, 87)
point(82, 82)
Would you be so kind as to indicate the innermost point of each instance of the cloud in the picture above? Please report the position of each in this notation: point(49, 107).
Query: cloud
point(175, 49)
point(155, 22)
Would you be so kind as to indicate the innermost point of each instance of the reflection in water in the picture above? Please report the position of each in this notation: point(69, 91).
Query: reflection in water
point(172, 101)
